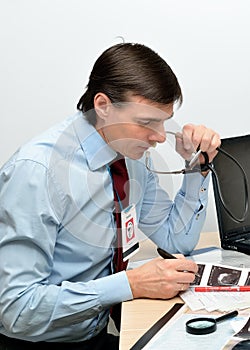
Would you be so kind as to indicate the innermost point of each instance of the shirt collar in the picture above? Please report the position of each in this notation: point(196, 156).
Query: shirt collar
point(98, 153)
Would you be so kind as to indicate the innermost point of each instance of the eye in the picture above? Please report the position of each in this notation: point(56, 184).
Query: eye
point(143, 122)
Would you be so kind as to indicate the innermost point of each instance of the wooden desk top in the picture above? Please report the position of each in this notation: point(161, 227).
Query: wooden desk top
point(140, 314)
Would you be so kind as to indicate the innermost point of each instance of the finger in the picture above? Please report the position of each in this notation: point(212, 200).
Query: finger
point(181, 287)
point(212, 149)
point(190, 144)
point(179, 256)
point(184, 148)
point(213, 146)
point(185, 277)
point(179, 146)
point(198, 133)
point(204, 138)
point(209, 141)
point(186, 265)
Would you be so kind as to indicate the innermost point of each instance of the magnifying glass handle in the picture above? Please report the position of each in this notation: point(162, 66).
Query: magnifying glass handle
point(226, 316)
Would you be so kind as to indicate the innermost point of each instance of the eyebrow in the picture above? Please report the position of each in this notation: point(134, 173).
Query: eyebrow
point(158, 119)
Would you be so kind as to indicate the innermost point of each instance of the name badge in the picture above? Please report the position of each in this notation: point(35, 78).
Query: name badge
point(130, 244)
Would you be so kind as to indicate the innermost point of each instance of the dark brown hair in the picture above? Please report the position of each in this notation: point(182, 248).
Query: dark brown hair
point(130, 68)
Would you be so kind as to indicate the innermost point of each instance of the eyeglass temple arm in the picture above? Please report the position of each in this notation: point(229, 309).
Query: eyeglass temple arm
point(147, 154)
point(192, 167)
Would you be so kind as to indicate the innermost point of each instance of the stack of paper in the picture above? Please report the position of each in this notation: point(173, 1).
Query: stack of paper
point(218, 275)
point(212, 301)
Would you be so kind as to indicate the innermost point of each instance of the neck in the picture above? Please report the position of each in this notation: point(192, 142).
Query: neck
point(101, 132)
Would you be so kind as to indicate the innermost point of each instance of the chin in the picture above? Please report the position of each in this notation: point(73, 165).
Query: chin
point(135, 155)
point(133, 152)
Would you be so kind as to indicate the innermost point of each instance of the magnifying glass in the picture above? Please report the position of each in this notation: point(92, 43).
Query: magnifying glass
point(206, 325)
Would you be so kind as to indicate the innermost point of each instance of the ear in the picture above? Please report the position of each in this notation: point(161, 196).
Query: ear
point(102, 105)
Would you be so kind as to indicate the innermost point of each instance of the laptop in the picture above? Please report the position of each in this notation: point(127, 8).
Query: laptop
point(233, 235)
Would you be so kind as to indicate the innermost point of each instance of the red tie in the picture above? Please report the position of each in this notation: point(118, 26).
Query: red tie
point(121, 199)
point(121, 189)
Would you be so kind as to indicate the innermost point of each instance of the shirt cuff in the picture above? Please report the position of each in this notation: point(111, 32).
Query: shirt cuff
point(114, 289)
point(195, 186)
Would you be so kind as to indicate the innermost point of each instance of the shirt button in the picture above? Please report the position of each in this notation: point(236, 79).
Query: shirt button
point(203, 189)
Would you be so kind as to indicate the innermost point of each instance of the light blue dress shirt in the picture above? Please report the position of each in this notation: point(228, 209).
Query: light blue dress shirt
point(57, 232)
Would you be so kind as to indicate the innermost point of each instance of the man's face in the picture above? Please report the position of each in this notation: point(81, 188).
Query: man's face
point(135, 126)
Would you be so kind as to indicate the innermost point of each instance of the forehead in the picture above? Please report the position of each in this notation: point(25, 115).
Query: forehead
point(140, 107)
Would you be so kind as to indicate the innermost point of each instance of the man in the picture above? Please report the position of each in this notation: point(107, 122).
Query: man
point(59, 231)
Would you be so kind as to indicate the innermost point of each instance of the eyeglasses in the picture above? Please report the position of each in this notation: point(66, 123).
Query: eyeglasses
point(190, 166)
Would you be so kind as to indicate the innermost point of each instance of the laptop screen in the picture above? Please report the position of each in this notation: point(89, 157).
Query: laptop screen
point(232, 186)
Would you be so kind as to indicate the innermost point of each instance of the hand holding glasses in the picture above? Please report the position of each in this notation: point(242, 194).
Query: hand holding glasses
point(192, 166)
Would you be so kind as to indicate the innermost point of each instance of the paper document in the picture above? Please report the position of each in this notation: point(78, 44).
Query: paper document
point(218, 275)
point(212, 274)
point(212, 301)
point(174, 336)
point(217, 267)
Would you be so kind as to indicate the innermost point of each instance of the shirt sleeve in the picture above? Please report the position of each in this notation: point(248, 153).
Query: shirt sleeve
point(30, 306)
point(175, 225)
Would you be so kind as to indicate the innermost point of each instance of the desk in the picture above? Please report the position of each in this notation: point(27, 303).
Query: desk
point(140, 314)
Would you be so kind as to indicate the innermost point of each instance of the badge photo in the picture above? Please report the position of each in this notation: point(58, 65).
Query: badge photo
point(130, 232)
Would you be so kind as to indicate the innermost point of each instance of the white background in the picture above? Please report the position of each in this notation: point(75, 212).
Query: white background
point(48, 48)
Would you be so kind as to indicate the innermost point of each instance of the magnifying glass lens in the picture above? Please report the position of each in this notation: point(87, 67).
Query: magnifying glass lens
point(201, 326)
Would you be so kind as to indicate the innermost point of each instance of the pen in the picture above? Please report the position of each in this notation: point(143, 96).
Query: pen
point(223, 289)
point(167, 255)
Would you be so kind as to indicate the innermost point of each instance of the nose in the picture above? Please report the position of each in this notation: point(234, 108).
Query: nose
point(158, 136)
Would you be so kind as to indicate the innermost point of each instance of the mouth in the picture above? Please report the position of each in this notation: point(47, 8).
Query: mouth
point(147, 145)
point(143, 148)
point(139, 149)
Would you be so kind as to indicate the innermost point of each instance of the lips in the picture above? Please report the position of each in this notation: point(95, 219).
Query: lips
point(143, 148)
point(146, 145)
